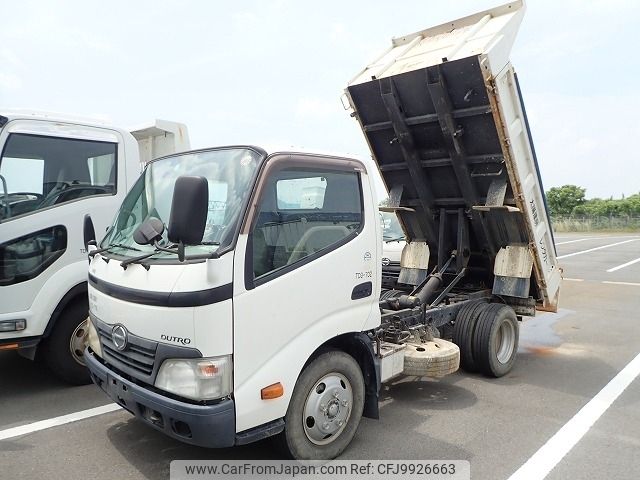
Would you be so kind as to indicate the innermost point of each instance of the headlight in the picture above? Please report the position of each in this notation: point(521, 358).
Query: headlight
point(92, 339)
point(196, 378)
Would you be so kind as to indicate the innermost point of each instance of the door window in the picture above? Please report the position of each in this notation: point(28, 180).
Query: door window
point(26, 257)
point(304, 214)
point(38, 172)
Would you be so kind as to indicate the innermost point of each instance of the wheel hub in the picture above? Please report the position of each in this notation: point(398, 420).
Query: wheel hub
point(327, 408)
point(334, 409)
point(505, 342)
point(78, 341)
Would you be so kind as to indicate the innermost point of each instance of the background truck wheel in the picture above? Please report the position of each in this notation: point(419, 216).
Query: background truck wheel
point(63, 350)
point(463, 329)
point(325, 408)
point(495, 340)
point(436, 358)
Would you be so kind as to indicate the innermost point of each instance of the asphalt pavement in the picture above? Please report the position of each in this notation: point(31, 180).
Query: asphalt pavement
point(498, 425)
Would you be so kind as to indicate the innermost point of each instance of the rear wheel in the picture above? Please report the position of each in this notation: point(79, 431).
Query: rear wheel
point(463, 330)
point(495, 340)
point(63, 350)
point(325, 408)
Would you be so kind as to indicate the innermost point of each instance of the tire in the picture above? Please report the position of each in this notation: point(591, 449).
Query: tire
point(495, 340)
point(463, 330)
point(67, 334)
point(330, 373)
point(436, 358)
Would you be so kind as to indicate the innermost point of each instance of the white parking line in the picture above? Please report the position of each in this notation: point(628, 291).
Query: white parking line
point(57, 421)
point(623, 265)
point(574, 279)
point(550, 454)
point(623, 283)
point(574, 241)
point(597, 248)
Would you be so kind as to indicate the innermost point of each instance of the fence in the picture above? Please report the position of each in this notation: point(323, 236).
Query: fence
point(590, 223)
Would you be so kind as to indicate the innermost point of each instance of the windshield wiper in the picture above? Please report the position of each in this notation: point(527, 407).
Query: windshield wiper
point(159, 249)
point(114, 245)
point(129, 261)
point(208, 256)
point(126, 247)
point(394, 239)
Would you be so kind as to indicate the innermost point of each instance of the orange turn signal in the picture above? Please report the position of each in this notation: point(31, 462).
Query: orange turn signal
point(13, 346)
point(272, 391)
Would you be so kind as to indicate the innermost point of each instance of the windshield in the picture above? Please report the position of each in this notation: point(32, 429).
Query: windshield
point(391, 229)
point(229, 173)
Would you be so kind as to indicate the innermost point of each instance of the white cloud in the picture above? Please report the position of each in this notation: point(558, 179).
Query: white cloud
point(10, 81)
point(9, 57)
point(587, 140)
point(338, 32)
point(316, 107)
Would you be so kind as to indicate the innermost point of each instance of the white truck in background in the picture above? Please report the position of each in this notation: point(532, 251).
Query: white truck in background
point(62, 179)
point(254, 307)
point(393, 242)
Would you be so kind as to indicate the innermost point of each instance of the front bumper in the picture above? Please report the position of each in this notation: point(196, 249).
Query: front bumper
point(18, 342)
point(212, 426)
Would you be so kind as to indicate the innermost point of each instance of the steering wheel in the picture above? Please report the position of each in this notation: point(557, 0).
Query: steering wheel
point(55, 192)
point(6, 210)
point(38, 196)
point(121, 225)
point(54, 195)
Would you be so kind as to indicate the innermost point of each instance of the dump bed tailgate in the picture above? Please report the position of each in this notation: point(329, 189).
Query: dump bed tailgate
point(443, 116)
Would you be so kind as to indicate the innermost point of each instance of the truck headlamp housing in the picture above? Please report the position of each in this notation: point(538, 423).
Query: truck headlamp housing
point(13, 325)
point(196, 378)
point(92, 339)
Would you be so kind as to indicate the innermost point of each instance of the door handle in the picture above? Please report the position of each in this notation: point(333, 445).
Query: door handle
point(362, 291)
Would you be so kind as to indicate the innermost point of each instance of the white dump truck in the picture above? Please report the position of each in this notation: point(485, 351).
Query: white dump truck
point(237, 295)
point(62, 179)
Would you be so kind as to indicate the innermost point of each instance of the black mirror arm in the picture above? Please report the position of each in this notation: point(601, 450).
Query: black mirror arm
point(100, 250)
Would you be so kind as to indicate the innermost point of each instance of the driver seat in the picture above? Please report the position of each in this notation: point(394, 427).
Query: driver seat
point(315, 239)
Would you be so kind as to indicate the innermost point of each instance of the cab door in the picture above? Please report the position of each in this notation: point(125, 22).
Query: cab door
point(305, 271)
point(51, 176)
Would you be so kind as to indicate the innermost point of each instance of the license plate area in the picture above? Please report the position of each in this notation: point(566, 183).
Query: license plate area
point(119, 392)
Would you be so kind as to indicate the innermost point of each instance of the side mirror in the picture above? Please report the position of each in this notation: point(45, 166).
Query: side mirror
point(149, 231)
point(189, 210)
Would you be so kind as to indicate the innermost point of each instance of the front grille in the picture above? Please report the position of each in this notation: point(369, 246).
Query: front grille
point(139, 354)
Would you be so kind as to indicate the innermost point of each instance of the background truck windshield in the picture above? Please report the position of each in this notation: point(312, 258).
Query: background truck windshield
point(229, 173)
point(391, 229)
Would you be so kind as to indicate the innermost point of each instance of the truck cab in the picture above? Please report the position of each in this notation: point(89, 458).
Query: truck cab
point(61, 180)
point(209, 347)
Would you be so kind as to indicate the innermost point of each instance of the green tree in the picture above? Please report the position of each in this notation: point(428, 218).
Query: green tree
point(563, 200)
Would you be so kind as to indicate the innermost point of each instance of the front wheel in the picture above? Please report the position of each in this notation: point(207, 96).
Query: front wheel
point(325, 408)
point(63, 350)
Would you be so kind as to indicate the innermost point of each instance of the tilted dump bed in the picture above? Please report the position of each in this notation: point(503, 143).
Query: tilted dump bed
point(442, 113)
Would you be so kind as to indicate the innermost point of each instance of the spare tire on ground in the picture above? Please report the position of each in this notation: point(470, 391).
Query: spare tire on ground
point(435, 358)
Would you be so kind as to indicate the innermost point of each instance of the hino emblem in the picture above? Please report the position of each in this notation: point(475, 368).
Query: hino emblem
point(120, 337)
point(385, 262)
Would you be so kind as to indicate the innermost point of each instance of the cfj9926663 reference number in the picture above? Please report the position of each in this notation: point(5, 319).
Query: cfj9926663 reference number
point(405, 468)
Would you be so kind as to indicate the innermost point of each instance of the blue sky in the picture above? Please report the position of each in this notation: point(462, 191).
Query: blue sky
point(272, 72)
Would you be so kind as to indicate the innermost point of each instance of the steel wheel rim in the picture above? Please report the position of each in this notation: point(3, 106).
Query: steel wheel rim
point(78, 341)
point(505, 342)
point(327, 409)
